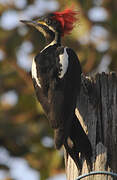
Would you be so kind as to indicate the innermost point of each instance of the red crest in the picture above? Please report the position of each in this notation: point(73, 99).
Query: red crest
point(67, 18)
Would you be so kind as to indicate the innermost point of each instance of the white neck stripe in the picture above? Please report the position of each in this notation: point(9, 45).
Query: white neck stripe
point(52, 43)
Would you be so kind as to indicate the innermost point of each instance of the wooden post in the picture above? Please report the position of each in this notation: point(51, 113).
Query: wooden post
point(97, 112)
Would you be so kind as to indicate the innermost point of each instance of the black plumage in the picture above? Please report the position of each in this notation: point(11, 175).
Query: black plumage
point(61, 93)
point(56, 75)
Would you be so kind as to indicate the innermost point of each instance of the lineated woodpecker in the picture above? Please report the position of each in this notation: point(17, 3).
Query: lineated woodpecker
point(56, 75)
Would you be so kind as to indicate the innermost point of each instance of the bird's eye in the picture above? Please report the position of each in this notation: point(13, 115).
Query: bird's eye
point(48, 21)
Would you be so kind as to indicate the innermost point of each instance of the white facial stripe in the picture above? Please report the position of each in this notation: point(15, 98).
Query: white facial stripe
point(64, 62)
point(51, 28)
point(41, 30)
point(44, 23)
point(34, 73)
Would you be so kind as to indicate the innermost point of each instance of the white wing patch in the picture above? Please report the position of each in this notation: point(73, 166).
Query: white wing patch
point(64, 62)
point(34, 73)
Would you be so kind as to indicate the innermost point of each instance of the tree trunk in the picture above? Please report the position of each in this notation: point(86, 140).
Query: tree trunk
point(97, 112)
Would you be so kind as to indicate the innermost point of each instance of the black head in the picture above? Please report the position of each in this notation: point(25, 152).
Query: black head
point(56, 24)
point(50, 21)
point(47, 25)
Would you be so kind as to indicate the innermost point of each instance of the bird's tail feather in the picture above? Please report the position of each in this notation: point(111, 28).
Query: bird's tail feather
point(80, 141)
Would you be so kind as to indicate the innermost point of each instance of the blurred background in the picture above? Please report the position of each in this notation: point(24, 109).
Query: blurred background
point(26, 140)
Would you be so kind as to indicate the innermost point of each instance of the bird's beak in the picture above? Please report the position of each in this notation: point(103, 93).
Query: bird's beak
point(34, 23)
point(30, 23)
point(38, 24)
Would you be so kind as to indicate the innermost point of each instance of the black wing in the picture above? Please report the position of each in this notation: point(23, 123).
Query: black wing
point(63, 97)
point(41, 97)
point(58, 98)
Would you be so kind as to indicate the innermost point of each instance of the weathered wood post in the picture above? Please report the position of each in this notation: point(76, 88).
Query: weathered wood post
point(97, 112)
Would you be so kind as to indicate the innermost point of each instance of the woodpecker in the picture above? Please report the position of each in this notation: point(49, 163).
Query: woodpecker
point(56, 76)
